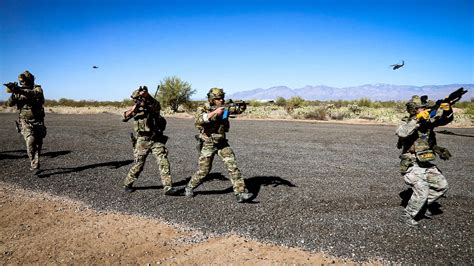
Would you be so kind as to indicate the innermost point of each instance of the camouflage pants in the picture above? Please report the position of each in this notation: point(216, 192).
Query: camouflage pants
point(225, 152)
point(33, 133)
point(141, 151)
point(428, 185)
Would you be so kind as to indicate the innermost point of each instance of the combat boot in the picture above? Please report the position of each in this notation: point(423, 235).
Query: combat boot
point(428, 214)
point(171, 191)
point(128, 188)
point(35, 171)
point(188, 192)
point(407, 219)
point(243, 197)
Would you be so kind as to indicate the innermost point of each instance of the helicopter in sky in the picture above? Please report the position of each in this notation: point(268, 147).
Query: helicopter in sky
point(95, 67)
point(397, 66)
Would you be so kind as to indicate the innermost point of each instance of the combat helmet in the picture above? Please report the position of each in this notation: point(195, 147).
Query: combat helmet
point(27, 78)
point(215, 93)
point(416, 102)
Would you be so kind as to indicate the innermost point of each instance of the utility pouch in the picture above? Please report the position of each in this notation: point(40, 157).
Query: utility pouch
point(141, 124)
point(406, 161)
point(423, 151)
point(27, 114)
point(133, 139)
point(200, 142)
point(425, 156)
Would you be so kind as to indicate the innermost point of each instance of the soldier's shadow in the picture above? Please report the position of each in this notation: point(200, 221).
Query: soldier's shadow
point(405, 196)
point(21, 154)
point(14, 154)
point(175, 184)
point(211, 177)
point(54, 154)
point(67, 170)
point(184, 182)
point(253, 184)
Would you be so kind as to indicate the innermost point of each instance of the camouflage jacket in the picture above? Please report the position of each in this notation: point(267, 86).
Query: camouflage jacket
point(417, 139)
point(30, 102)
point(147, 119)
point(211, 129)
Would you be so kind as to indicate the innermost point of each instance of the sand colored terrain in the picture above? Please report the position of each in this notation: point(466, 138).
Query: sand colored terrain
point(37, 228)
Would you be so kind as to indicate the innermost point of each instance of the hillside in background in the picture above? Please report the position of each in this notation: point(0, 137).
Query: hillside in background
point(379, 92)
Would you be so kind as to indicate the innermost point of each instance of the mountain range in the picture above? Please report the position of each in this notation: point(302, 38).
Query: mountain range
point(378, 92)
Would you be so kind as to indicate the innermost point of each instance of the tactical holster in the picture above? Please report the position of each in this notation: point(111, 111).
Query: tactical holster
point(200, 142)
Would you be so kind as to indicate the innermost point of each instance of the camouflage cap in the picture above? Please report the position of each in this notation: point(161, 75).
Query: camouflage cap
point(416, 102)
point(215, 93)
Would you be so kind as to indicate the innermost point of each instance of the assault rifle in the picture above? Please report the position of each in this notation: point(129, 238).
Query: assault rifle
point(451, 99)
point(11, 86)
point(137, 98)
point(232, 108)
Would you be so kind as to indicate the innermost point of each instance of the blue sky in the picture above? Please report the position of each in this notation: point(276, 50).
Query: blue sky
point(237, 45)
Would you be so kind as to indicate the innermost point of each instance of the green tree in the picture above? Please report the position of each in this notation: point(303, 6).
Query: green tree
point(174, 92)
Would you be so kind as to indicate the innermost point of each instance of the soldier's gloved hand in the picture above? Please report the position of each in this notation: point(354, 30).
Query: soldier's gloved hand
point(423, 115)
point(443, 153)
point(445, 106)
point(219, 111)
point(15, 90)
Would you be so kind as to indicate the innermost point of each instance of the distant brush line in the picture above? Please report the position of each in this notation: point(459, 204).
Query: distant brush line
point(379, 92)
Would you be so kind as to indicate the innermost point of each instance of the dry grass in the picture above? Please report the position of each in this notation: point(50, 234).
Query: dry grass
point(384, 115)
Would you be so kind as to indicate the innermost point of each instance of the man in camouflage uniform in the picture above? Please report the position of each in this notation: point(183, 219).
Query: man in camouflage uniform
point(418, 143)
point(213, 127)
point(29, 100)
point(149, 126)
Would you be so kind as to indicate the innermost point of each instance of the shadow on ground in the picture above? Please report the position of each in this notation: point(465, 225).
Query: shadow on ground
point(21, 154)
point(405, 195)
point(110, 165)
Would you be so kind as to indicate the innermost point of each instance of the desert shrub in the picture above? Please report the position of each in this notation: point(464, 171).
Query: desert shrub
point(316, 114)
point(364, 102)
point(469, 108)
point(295, 102)
point(313, 103)
point(339, 103)
point(388, 104)
point(280, 101)
point(354, 108)
point(339, 114)
point(376, 105)
point(84, 103)
point(255, 103)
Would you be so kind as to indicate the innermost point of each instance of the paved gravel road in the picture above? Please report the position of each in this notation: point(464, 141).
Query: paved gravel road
point(323, 187)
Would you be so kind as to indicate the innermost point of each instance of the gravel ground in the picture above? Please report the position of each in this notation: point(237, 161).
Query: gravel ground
point(324, 187)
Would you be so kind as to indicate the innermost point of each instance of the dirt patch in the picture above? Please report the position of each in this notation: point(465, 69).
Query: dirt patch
point(41, 229)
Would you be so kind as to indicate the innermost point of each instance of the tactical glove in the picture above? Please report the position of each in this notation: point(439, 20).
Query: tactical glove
point(445, 106)
point(424, 115)
point(443, 153)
